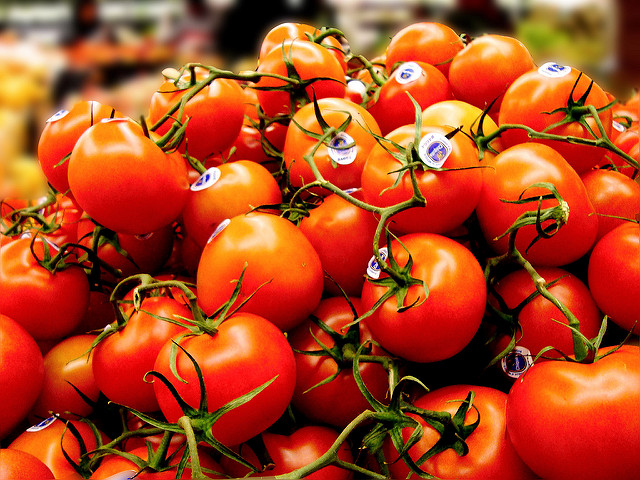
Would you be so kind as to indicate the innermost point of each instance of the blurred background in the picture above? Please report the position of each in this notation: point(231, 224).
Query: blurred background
point(53, 52)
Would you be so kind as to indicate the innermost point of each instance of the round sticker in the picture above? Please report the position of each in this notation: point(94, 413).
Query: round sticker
point(408, 72)
point(553, 70)
point(357, 86)
point(221, 226)
point(618, 126)
point(42, 425)
point(373, 268)
point(208, 178)
point(517, 361)
point(342, 149)
point(434, 149)
point(57, 116)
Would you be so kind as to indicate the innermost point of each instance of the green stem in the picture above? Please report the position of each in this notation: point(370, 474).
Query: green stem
point(185, 423)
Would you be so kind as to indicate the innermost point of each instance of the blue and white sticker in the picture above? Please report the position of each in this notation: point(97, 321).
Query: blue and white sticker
point(357, 86)
point(554, 70)
point(207, 179)
point(408, 72)
point(434, 149)
point(342, 149)
point(373, 267)
point(57, 116)
point(221, 226)
point(618, 126)
point(517, 361)
point(42, 425)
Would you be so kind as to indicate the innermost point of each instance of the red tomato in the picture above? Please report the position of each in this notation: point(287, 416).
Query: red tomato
point(534, 94)
point(141, 189)
point(66, 214)
point(614, 274)
point(99, 313)
point(17, 465)
point(246, 352)
point(22, 374)
point(48, 305)
point(311, 61)
point(283, 269)
point(340, 401)
point(491, 454)
point(573, 420)
point(508, 176)
point(425, 83)
point(429, 42)
point(451, 195)
point(341, 157)
point(628, 142)
point(441, 325)
point(67, 365)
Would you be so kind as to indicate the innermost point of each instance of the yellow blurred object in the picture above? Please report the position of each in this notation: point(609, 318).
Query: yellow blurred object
point(22, 178)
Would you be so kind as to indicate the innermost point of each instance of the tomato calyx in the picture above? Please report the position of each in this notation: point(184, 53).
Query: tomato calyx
point(30, 217)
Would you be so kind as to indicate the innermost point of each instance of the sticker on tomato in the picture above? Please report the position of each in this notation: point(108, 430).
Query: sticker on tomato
point(408, 72)
point(342, 149)
point(57, 116)
point(373, 267)
point(42, 424)
point(517, 361)
point(221, 226)
point(554, 70)
point(434, 149)
point(207, 179)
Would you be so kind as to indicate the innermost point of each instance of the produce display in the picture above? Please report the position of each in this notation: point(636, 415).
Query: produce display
point(420, 265)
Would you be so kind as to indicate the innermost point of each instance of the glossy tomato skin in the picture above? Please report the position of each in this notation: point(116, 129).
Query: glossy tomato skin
point(22, 374)
point(507, 177)
point(572, 420)
point(532, 95)
point(124, 181)
point(442, 325)
point(342, 167)
point(18, 465)
point(491, 454)
point(613, 275)
point(283, 269)
point(245, 353)
point(451, 195)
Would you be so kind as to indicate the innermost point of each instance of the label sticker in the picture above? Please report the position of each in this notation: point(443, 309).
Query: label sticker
point(434, 149)
point(517, 361)
point(373, 268)
point(357, 86)
point(221, 226)
point(57, 116)
point(553, 70)
point(618, 126)
point(408, 72)
point(342, 149)
point(351, 191)
point(42, 425)
point(207, 179)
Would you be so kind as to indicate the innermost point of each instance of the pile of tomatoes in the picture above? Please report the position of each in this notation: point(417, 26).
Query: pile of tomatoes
point(334, 267)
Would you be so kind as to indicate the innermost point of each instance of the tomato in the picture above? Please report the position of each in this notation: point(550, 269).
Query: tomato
point(99, 313)
point(246, 352)
point(48, 305)
point(628, 142)
point(442, 324)
point(218, 108)
point(539, 318)
point(611, 193)
point(60, 134)
point(22, 376)
point(491, 454)
point(459, 114)
point(311, 62)
point(141, 189)
point(482, 71)
point(340, 401)
point(224, 192)
point(572, 420)
point(532, 96)
point(613, 275)
point(430, 42)
point(121, 360)
point(425, 83)
point(17, 465)
point(66, 214)
point(283, 269)
point(342, 235)
point(451, 195)
point(508, 176)
point(290, 452)
point(67, 365)
point(341, 157)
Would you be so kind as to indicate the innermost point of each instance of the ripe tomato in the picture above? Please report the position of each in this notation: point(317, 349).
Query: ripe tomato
point(451, 195)
point(572, 420)
point(430, 42)
point(22, 374)
point(442, 324)
point(534, 94)
point(17, 465)
point(508, 176)
point(246, 352)
point(628, 142)
point(341, 157)
point(141, 189)
point(283, 269)
point(491, 454)
point(614, 273)
point(425, 83)
point(311, 61)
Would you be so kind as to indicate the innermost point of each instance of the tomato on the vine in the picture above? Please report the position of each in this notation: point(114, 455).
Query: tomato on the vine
point(18, 465)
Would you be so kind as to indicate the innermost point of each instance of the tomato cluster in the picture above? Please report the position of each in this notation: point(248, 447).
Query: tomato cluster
point(331, 267)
